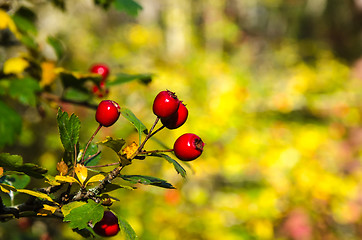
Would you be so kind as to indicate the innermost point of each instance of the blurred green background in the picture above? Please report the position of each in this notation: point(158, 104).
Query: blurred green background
point(273, 88)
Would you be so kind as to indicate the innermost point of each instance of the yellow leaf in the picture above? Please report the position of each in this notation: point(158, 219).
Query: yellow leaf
point(95, 178)
point(47, 210)
point(36, 194)
point(68, 179)
point(1, 171)
point(62, 168)
point(48, 73)
point(15, 65)
point(51, 180)
point(7, 22)
point(6, 188)
point(82, 172)
point(130, 150)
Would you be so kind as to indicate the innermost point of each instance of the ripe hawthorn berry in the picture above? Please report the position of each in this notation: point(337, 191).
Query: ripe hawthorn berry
point(107, 113)
point(188, 147)
point(165, 104)
point(103, 70)
point(108, 226)
point(100, 69)
point(177, 119)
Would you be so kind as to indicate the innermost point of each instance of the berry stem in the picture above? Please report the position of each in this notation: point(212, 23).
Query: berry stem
point(157, 151)
point(159, 129)
point(91, 157)
point(90, 140)
point(147, 137)
point(105, 165)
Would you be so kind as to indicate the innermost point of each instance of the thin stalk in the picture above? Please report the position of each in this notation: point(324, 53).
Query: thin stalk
point(91, 157)
point(106, 165)
point(147, 137)
point(90, 140)
point(157, 151)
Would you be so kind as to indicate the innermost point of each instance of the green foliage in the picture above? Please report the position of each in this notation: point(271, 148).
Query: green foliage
point(69, 128)
point(141, 128)
point(15, 163)
point(129, 6)
point(127, 229)
point(115, 144)
point(10, 124)
point(80, 214)
point(124, 78)
point(147, 180)
point(179, 169)
point(24, 90)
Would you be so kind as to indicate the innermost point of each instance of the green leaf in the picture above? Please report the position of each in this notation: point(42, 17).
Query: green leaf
point(15, 163)
point(80, 216)
point(147, 180)
point(111, 187)
point(114, 144)
point(176, 165)
point(70, 206)
point(10, 125)
point(92, 151)
point(24, 24)
point(123, 78)
point(36, 194)
point(17, 180)
point(76, 94)
point(57, 46)
point(126, 229)
point(77, 80)
point(141, 128)
point(129, 6)
point(24, 90)
point(69, 128)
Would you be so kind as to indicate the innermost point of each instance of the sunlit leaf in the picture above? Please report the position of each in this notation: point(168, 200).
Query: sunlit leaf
point(114, 144)
point(67, 179)
point(7, 188)
point(130, 150)
point(80, 216)
point(7, 22)
point(95, 178)
point(48, 74)
point(82, 173)
point(147, 180)
point(16, 65)
point(70, 206)
point(47, 210)
point(36, 194)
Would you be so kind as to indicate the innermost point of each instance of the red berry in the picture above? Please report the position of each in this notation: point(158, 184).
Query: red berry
point(107, 113)
point(165, 104)
point(100, 91)
point(188, 147)
point(177, 119)
point(108, 226)
point(100, 69)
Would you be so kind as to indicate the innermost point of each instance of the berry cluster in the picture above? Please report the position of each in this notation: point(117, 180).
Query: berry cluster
point(103, 70)
point(173, 114)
